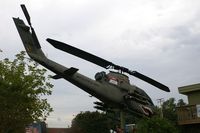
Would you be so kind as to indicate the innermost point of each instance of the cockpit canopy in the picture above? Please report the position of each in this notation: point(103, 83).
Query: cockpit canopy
point(112, 77)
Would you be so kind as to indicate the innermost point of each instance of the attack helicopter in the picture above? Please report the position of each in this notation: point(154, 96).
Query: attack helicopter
point(112, 89)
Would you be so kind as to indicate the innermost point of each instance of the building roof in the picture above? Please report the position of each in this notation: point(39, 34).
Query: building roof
point(189, 88)
point(58, 130)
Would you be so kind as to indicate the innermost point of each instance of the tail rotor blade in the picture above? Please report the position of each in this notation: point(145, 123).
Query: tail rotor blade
point(37, 44)
point(28, 18)
point(26, 14)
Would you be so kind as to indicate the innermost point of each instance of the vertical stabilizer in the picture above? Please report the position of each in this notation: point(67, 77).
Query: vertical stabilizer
point(28, 36)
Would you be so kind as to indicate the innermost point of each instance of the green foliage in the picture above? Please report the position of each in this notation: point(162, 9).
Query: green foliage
point(180, 103)
point(169, 110)
point(155, 125)
point(90, 122)
point(22, 86)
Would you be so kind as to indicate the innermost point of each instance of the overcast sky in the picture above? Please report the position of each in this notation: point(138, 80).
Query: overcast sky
point(159, 38)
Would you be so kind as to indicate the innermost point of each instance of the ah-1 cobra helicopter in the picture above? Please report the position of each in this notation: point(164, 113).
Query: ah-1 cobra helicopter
point(113, 89)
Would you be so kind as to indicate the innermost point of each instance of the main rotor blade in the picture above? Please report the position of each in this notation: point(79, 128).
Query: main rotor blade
point(80, 53)
point(149, 80)
point(103, 63)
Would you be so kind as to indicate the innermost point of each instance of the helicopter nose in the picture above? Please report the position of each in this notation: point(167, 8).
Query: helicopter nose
point(146, 110)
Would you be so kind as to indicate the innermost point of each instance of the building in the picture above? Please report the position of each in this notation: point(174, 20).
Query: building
point(36, 127)
point(58, 130)
point(189, 115)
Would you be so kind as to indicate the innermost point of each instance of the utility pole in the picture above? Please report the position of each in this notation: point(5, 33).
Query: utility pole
point(160, 101)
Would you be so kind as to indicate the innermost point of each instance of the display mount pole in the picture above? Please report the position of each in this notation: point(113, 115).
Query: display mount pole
point(122, 121)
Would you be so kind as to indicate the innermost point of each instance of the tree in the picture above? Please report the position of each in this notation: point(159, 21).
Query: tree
point(180, 103)
point(169, 110)
point(23, 86)
point(90, 122)
point(155, 125)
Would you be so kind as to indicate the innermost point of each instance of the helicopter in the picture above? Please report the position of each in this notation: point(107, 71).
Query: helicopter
point(113, 89)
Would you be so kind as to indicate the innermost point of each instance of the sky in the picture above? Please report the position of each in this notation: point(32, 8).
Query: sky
point(159, 38)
